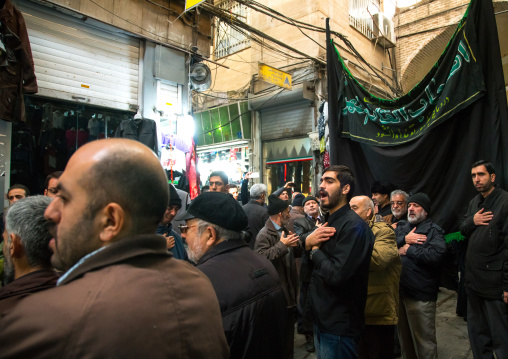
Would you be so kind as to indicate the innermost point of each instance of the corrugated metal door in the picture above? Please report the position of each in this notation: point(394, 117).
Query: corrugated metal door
point(78, 62)
point(286, 121)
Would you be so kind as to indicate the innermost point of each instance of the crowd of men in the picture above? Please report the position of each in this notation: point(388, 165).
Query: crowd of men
point(97, 267)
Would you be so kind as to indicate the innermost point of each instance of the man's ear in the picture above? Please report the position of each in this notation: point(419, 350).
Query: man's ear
point(346, 189)
point(227, 188)
point(15, 246)
point(212, 236)
point(112, 221)
point(493, 177)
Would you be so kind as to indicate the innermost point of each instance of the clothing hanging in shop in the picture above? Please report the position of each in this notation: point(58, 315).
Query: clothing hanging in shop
point(143, 130)
point(17, 75)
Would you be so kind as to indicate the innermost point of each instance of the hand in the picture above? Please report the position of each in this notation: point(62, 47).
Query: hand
point(289, 185)
point(247, 175)
point(414, 238)
point(320, 235)
point(290, 240)
point(403, 250)
point(376, 209)
point(482, 219)
point(394, 225)
point(505, 297)
point(170, 241)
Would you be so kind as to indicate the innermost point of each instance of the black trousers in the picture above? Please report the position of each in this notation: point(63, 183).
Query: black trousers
point(487, 325)
point(377, 342)
point(305, 322)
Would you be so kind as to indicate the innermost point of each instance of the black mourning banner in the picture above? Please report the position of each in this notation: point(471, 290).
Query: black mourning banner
point(427, 139)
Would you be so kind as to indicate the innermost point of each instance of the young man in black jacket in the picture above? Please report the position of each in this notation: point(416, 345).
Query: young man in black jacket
point(421, 247)
point(340, 252)
point(486, 230)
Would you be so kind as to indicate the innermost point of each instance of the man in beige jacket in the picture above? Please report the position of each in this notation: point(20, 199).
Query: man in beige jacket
point(383, 290)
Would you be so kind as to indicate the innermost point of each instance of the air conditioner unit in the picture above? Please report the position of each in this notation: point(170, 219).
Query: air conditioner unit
point(383, 29)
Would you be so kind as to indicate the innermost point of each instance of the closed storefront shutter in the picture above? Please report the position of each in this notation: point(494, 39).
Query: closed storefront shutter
point(79, 62)
point(290, 120)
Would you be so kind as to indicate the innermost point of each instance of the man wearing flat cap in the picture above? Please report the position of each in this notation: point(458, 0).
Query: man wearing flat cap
point(421, 247)
point(173, 240)
point(296, 211)
point(281, 247)
point(381, 197)
point(251, 299)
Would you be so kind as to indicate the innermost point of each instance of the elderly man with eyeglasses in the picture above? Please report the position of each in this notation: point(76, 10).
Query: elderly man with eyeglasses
point(247, 285)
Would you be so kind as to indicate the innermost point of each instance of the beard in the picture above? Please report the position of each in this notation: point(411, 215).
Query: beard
point(399, 213)
point(74, 243)
point(195, 253)
point(416, 218)
point(334, 199)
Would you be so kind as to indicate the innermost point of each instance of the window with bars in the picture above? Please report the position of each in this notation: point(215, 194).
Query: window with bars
point(227, 40)
point(360, 15)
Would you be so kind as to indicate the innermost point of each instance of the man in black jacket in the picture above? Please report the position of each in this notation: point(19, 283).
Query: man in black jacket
point(303, 227)
point(341, 255)
point(421, 247)
point(247, 285)
point(486, 230)
point(257, 213)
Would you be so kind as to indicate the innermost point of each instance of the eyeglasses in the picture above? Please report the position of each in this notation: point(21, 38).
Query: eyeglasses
point(184, 228)
point(53, 190)
point(398, 203)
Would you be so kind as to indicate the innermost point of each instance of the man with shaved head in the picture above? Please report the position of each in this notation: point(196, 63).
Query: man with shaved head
point(383, 289)
point(123, 295)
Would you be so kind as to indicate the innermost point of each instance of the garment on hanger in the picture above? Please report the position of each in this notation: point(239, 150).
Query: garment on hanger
point(17, 75)
point(143, 130)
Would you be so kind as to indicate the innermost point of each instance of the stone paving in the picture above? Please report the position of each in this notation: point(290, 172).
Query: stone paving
point(452, 339)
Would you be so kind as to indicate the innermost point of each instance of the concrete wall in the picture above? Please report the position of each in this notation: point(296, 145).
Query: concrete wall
point(165, 23)
point(244, 64)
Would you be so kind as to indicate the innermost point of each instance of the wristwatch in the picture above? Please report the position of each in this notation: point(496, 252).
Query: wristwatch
point(312, 252)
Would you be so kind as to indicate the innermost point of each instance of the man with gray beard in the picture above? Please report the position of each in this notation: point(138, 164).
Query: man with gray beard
point(398, 202)
point(421, 247)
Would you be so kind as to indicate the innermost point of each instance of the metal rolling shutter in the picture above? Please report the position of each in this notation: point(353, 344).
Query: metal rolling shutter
point(286, 121)
point(78, 62)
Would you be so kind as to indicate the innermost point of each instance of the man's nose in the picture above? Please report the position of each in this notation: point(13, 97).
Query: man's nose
point(52, 213)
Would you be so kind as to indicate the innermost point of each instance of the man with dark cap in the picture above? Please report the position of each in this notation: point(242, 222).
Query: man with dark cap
point(421, 247)
point(303, 227)
point(247, 285)
point(296, 211)
point(381, 197)
point(173, 240)
point(122, 295)
point(281, 247)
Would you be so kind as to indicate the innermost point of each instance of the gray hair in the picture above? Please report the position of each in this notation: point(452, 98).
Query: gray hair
point(222, 233)
point(369, 204)
point(399, 192)
point(25, 219)
point(257, 190)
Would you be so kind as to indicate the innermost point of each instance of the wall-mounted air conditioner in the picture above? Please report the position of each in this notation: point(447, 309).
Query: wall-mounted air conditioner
point(383, 29)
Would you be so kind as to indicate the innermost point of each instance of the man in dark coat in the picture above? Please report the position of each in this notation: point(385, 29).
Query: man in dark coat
point(381, 197)
point(303, 227)
point(296, 211)
point(173, 240)
point(123, 295)
point(340, 253)
point(281, 247)
point(421, 247)
point(27, 256)
point(256, 212)
point(486, 230)
point(248, 288)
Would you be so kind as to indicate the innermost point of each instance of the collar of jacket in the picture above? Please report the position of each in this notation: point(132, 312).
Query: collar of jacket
point(44, 278)
point(223, 247)
point(490, 198)
point(338, 213)
point(422, 227)
point(271, 228)
point(123, 249)
point(255, 201)
point(8, 7)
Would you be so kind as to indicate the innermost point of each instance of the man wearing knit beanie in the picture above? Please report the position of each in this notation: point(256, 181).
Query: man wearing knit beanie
point(173, 240)
point(421, 247)
point(281, 247)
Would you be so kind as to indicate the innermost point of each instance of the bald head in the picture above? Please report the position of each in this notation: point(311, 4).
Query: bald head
point(125, 172)
point(363, 206)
